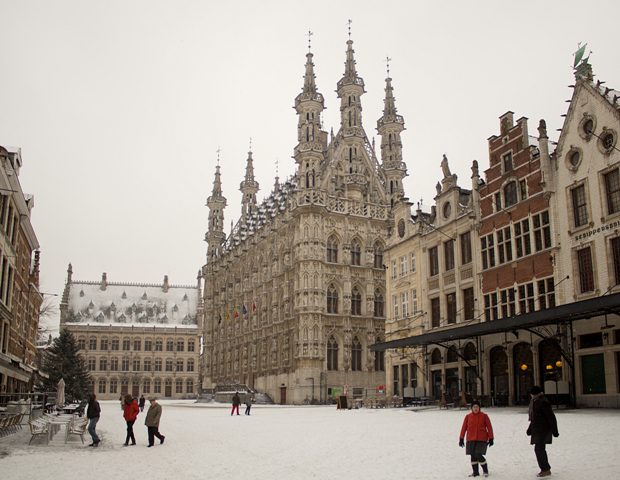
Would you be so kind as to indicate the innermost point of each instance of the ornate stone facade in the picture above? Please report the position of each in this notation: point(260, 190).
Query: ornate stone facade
point(136, 338)
point(293, 296)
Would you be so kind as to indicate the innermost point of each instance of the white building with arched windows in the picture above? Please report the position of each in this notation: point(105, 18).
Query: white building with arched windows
point(135, 338)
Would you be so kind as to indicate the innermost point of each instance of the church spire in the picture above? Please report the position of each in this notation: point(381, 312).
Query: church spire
point(248, 188)
point(390, 126)
point(350, 89)
point(216, 203)
point(312, 141)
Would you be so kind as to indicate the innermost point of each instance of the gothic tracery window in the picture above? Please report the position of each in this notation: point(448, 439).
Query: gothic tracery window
point(332, 249)
point(356, 255)
point(332, 299)
point(356, 302)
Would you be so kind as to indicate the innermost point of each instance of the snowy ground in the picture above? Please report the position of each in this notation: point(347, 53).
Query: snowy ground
point(315, 442)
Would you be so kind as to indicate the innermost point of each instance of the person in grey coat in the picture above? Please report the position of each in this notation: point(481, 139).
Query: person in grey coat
point(543, 426)
point(248, 403)
point(153, 415)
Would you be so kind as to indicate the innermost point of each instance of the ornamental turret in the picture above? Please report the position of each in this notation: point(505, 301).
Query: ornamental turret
point(312, 141)
point(390, 126)
point(248, 188)
point(216, 203)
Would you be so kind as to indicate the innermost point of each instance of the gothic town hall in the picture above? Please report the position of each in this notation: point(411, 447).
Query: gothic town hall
point(294, 294)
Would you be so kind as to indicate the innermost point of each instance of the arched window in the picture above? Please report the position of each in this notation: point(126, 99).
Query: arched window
point(379, 359)
point(356, 256)
point(356, 302)
point(332, 249)
point(436, 357)
point(510, 194)
point(378, 304)
point(332, 299)
point(356, 355)
point(332, 354)
point(378, 255)
point(470, 352)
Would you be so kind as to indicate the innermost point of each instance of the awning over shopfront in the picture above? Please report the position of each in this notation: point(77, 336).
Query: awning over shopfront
point(14, 372)
point(563, 314)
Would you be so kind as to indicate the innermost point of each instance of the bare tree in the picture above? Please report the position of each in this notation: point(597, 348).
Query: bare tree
point(47, 310)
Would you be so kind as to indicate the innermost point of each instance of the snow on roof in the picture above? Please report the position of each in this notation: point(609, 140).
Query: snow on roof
point(132, 304)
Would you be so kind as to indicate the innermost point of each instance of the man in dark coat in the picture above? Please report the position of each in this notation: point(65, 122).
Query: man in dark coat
point(543, 426)
point(93, 412)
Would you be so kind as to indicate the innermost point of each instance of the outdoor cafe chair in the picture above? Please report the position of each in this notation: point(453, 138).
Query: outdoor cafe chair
point(76, 427)
point(37, 428)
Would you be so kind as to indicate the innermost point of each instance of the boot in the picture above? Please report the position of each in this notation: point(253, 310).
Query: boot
point(476, 469)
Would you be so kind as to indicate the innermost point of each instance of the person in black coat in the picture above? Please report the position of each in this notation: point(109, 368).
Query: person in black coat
point(543, 426)
point(93, 412)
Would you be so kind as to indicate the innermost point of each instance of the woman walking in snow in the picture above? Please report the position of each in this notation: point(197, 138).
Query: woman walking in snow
point(130, 413)
point(477, 426)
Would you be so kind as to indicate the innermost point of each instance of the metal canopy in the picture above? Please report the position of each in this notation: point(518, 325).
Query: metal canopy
point(567, 313)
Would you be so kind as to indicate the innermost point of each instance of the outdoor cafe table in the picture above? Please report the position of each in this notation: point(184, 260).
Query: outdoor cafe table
point(71, 408)
point(53, 421)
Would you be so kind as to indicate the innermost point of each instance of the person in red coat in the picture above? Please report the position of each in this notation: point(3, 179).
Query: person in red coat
point(130, 413)
point(477, 426)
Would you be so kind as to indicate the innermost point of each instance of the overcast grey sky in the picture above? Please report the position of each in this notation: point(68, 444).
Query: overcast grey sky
point(119, 106)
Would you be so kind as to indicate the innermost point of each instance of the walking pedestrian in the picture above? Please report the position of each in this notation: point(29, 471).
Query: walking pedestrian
point(141, 403)
point(477, 426)
point(236, 401)
point(153, 415)
point(130, 413)
point(543, 426)
point(93, 412)
point(248, 403)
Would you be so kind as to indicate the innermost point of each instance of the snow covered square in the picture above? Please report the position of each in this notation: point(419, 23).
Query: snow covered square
point(314, 442)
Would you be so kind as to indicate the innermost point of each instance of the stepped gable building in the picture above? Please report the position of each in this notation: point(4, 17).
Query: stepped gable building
point(549, 266)
point(136, 338)
point(20, 299)
point(294, 294)
point(588, 195)
point(433, 286)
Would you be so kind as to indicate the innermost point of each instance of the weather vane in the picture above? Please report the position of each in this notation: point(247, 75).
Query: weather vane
point(218, 155)
point(350, 22)
point(310, 33)
point(387, 65)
